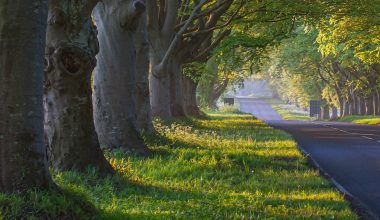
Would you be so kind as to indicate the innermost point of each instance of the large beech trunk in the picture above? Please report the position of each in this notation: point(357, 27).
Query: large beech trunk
point(22, 40)
point(190, 97)
point(143, 109)
point(176, 88)
point(114, 78)
point(159, 91)
point(70, 53)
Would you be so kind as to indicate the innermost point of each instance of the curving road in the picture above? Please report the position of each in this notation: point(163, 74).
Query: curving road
point(348, 153)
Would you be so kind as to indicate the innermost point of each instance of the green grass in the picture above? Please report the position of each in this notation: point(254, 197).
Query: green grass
point(370, 120)
point(286, 114)
point(229, 166)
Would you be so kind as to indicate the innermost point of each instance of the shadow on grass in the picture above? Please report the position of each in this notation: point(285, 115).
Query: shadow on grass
point(184, 180)
point(49, 204)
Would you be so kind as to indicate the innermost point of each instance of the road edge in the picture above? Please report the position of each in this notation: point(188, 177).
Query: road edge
point(356, 204)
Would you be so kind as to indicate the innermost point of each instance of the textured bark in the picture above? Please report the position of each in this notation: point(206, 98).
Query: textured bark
point(172, 40)
point(22, 40)
point(190, 97)
point(71, 48)
point(159, 91)
point(176, 87)
point(114, 78)
point(143, 108)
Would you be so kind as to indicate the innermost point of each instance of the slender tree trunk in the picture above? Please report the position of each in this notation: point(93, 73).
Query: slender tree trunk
point(190, 97)
point(23, 161)
point(361, 105)
point(375, 104)
point(369, 105)
point(143, 108)
point(353, 105)
point(341, 106)
point(176, 87)
point(346, 111)
point(334, 114)
point(325, 112)
point(69, 128)
point(114, 78)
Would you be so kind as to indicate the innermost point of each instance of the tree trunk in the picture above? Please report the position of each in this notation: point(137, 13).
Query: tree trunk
point(353, 109)
point(23, 161)
point(190, 97)
point(69, 127)
point(159, 91)
point(325, 112)
point(143, 108)
point(176, 87)
point(375, 104)
point(334, 114)
point(369, 105)
point(346, 111)
point(341, 106)
point(114, 77)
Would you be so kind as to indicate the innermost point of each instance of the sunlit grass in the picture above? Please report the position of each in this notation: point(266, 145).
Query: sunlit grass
point(365, 119)
point(286, 113)
point(229, 166)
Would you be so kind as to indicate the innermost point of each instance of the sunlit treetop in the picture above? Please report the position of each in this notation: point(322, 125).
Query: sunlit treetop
point(358, 35)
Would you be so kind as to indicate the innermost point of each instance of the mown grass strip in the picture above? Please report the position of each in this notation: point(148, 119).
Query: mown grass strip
point(365, 119)
point(228, 166)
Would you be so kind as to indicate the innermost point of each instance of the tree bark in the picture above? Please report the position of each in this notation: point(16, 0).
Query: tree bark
point(362, 106)
point(176, 88)
point(71, 48)
point(375, 104)
point(190, 97)
point(346, 111)
point(143, 108)
point(334, 114)
point(23, 161)
point(159, 91)
point(114, 77)
point(369, 105)
point(353, 105)
point(341, 106)
point(325, 112)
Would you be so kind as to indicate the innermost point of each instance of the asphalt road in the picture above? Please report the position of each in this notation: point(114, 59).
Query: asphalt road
point(347, 152)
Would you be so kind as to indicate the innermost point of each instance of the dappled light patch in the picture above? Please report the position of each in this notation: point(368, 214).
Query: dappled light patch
point(199, 172)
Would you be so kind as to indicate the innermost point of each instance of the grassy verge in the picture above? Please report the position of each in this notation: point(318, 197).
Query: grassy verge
point(285, 111)
point(229, 166)
point(370, 120)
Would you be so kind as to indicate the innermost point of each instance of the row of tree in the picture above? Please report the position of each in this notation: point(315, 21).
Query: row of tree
point(55, 112)
point(334, 61)
point(77, 75)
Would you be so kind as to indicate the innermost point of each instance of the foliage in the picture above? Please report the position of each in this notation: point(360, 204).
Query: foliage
point(226, 167)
